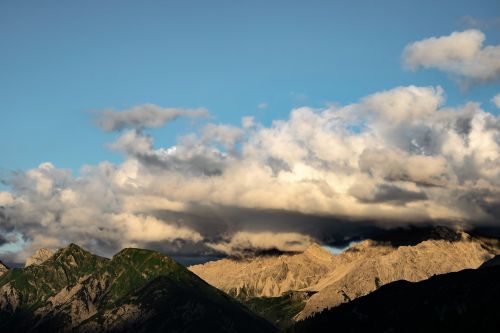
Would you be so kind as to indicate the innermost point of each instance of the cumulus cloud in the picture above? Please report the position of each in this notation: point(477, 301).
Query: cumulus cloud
point(227, 135)
point(461, 54)
point(395, 157)
point(143, 116)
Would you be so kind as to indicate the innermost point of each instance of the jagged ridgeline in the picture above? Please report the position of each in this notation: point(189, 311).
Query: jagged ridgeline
point(137, 290)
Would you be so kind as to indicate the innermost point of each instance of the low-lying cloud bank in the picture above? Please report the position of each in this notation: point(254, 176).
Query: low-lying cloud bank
point(394, 158)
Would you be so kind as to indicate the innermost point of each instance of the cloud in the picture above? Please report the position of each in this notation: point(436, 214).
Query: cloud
point(461, 54)
point(473, 22)
point(226, 135)
point(143, 116)
point(395, 157)
point(247, 122)
point(496, 100)
point(263, 105)
point(242, 241)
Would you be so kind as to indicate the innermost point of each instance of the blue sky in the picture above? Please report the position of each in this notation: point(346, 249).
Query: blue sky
point(61, 60)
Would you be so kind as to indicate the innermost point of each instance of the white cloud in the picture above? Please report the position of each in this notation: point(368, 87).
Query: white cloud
point(460, 53)
point(226, 135)
point(496, 100)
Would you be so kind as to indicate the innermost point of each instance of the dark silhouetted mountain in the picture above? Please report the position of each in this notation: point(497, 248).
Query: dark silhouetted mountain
point(136, 291)
point(465, 301)
point(495, 261)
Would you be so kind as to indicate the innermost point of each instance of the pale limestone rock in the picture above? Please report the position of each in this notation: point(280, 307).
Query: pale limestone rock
point(340, 278)
point(373, 266)
point(39, 257)
point(267, 275)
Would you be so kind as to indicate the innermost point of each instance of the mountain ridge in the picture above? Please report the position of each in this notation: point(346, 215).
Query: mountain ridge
point(81, 292)
point(412, 255)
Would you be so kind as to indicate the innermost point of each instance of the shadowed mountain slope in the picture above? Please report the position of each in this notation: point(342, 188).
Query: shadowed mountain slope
point(465, 301)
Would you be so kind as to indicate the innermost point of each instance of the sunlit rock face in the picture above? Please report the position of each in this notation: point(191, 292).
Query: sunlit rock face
point(39, 257)
point(336, 279)
point(267, 275)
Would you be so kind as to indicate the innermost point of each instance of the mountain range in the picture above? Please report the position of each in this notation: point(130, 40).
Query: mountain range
point(328, 280)
point(372, 283)
point(135, 291)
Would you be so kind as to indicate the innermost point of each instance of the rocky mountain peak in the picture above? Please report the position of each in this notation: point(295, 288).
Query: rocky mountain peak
point(39, 257)
point(318, 252)
point(137, 290)
point(70, 252)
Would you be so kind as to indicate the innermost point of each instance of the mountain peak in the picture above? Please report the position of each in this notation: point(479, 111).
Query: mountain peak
point(72, 249)
point(39, 257)
point(318, 251)
point(78, 291)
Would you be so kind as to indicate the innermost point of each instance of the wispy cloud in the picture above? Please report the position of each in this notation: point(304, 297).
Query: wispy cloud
point(263, 105)
point(143, 116)
point(478, 23)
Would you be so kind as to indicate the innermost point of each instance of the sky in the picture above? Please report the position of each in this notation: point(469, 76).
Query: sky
point(204, 100)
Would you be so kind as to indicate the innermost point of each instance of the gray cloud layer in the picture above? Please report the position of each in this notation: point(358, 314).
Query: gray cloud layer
point(143, 116)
